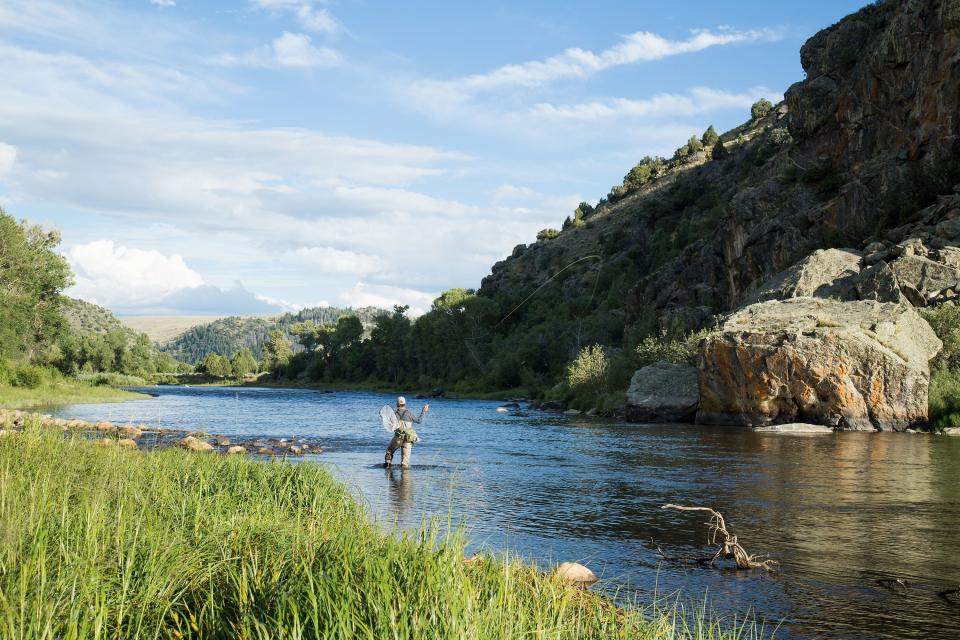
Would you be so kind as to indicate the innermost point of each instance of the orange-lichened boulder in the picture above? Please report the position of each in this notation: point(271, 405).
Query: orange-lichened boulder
point(858, 365)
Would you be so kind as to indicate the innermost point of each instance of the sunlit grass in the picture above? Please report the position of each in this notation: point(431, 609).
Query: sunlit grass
point(59, 393)
point(102, 542)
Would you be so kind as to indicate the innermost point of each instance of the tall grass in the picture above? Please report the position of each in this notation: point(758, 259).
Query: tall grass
point(102, 542)
point(60, 392)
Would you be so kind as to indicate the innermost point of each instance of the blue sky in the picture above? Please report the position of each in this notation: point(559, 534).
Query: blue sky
point(253, 156)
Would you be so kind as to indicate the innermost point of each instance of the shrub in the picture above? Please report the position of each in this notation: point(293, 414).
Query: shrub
point(588, 372)
point(760, 108)
point(663, 348)
point(710, 137)
point(780, 136)
point(29, 376)
point(944, 400)
point(945, 322)
point(719, 151)
point(547, 234)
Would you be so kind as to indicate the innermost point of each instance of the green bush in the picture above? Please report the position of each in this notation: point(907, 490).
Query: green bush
point(944, 402)
point(760, 108)
point(669, 349)
point(111, 380)
point(547, 234)
point(589, 370)
point(945, 322)
point(29, 376)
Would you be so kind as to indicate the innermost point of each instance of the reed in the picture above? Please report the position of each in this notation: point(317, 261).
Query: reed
point(99, 542)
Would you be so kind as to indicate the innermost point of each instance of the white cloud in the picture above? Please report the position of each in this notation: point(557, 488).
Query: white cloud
point(384, 296)
point(641, 46)
point(291, 50)
point(310, 17)
point(111, 275)
point(164, 3)
point(296, 50)
point(8, 157)
point(330, 260)
point(698, 100)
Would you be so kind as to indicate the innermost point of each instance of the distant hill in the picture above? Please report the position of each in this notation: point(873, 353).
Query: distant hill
point(86, 317)
point(226, 336)
point(162, 329)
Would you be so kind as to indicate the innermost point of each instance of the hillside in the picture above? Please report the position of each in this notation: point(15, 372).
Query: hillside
point(86, 317)
point(161, 329)
point(226, 336)
point(859, 147)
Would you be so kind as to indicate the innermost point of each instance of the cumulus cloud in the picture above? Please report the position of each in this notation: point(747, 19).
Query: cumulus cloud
point(134, 281)
point(330, 260)
point(290, 50)
point(109, 275)
point(385, 296)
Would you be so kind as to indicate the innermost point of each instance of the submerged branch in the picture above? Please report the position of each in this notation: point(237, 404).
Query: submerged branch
point(729, 548)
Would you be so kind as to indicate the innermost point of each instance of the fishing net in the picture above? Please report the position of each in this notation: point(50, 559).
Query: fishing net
point(389, 419)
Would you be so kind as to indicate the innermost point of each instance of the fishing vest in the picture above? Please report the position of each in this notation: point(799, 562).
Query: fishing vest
point(405, 433)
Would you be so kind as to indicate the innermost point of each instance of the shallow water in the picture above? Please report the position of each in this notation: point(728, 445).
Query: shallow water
point(839, 511)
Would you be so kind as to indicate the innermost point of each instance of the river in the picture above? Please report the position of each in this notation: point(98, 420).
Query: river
point(840, 512)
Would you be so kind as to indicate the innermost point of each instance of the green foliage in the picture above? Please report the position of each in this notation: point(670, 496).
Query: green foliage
point(694, 144)
point(277, 351)
point(666, 348)
point(719, 151)
point(227, 336)
point(32, 275)
point(780, 136)
point(945, 322)
point(944, 399)
point(761, 108)
point(710, 137)
point(547, 234)
point(588, 372)
point(213, 364)
point(243, 364)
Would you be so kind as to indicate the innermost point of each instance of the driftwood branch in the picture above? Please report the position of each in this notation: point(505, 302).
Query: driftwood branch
point(729, 547)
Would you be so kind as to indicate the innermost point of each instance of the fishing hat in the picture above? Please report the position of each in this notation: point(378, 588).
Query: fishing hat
point(401, 401)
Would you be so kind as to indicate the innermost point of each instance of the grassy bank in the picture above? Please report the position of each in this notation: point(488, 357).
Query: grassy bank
point(102, 542)
point(61, 392)
point(385, 387)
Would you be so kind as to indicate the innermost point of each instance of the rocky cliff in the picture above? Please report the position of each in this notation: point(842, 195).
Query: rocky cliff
point(864, 142)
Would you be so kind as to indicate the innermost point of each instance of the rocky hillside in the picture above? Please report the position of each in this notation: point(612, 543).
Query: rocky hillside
point(226, 336)
point(860, 146)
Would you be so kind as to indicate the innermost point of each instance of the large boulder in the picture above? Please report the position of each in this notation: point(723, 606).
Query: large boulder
point(827, 273)
point(930, 278)
point(663, 392)
point(859, 365)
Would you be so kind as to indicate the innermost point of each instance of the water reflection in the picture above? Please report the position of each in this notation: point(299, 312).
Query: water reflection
point(840, 512)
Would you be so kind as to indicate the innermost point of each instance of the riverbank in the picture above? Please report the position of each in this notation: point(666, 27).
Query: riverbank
point(453, 392)
point(99, 544)
point(61, 392)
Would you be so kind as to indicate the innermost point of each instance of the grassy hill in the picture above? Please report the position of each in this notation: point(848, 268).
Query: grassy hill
point(162, 329)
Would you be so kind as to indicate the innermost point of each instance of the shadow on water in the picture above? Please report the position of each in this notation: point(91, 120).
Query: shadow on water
point(847, 515)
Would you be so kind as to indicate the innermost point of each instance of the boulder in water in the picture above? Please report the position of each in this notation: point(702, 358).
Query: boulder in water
point(236, 450)
point(663, 392)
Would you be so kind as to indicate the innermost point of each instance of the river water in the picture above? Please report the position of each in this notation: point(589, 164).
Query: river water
point(840, 512)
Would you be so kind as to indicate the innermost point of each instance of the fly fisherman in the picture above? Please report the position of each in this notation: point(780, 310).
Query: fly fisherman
point(404, 436)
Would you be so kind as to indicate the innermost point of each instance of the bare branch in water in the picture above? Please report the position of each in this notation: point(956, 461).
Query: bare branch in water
point(729, 548)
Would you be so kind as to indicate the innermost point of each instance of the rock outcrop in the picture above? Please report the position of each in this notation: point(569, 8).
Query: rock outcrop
point(859, 365)
point(663, 392)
